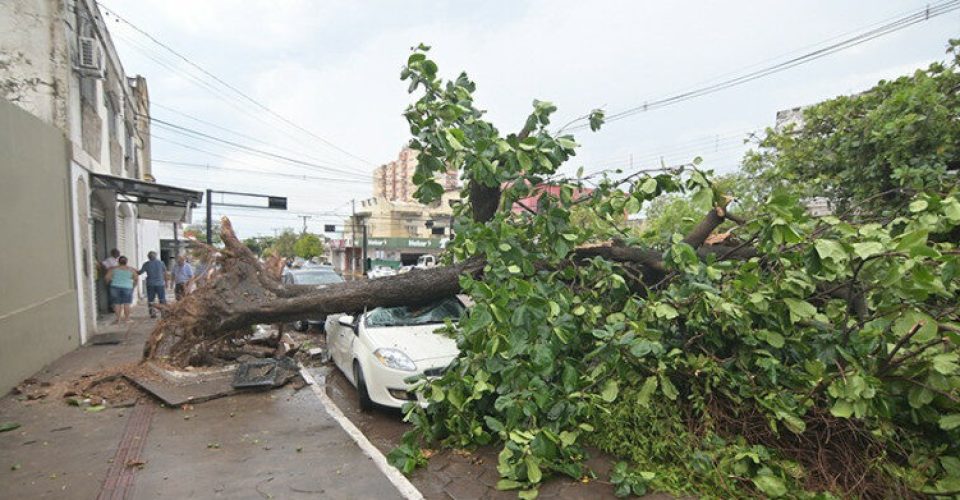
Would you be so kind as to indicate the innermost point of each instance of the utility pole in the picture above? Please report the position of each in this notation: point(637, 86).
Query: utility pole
point(364, 248)
point(209, 217)
point(353, 236)
point(305, 217)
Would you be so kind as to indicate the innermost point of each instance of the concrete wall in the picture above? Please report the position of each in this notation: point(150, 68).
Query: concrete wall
point(39, 319)
point(35, 58)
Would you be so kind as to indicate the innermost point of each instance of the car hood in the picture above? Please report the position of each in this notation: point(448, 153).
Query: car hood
point(418, 342)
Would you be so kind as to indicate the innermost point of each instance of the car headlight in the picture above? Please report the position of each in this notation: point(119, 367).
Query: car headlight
point(393, 358)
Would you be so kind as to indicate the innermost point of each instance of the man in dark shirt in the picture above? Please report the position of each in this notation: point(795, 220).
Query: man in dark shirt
point(156, 280)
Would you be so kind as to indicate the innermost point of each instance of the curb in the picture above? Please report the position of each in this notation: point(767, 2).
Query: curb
point(399, 481)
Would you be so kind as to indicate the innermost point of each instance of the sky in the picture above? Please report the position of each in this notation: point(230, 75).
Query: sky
point(328, 72)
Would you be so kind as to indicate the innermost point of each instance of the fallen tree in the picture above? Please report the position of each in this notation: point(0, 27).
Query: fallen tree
point(802, 355)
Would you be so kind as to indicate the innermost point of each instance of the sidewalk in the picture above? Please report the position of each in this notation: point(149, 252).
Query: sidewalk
point(275, 444)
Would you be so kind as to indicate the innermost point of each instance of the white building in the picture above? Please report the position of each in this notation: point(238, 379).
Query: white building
point(82, 182)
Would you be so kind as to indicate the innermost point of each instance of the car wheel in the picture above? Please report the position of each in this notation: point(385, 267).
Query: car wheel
point(363, 396)
point(301, 326)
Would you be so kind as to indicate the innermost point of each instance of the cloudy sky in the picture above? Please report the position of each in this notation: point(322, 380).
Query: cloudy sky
point(331, 70)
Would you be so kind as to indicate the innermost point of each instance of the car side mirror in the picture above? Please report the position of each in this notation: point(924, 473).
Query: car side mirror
point(346, 320)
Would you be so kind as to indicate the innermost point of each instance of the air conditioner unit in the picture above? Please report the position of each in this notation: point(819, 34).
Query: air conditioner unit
point(90, 56)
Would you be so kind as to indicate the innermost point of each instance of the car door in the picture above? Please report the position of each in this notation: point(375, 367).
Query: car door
point(341, 340)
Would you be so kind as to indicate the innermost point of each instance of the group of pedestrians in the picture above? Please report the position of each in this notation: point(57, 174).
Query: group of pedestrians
point(122, 279)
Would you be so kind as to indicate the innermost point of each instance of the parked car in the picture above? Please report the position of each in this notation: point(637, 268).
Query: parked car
point(380, 348)
point(380, 272)
point(318, 276)
point(426, 261)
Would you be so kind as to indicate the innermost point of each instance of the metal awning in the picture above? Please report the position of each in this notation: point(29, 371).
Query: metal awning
point(154, 201)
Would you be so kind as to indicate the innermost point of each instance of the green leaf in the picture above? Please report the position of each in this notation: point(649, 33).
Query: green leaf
point(867, 249)
point(513, 268)
point(794, 423)
point(950, 422)
point(918, 205)
point(508, 484)
point(649, 186)
point(912, 239)
point(669, 390)
point(830, 250)
point(946, 363)
point(666, 311)
point(533, 469)
point(567, 438)
point(774, 339)
point(554, 308)
point(951, 208)
point(9, 426)
point(800, 309)
point(96, 408)
point(528, 494)
point(770, 486)
point(842, 409)
point(610, 391)
point(647, 390)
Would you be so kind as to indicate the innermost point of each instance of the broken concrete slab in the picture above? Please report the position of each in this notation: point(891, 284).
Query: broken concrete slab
point(176, 387)
point(265, 373)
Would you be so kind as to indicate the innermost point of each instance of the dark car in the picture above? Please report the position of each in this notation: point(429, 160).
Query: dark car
point(317, 276)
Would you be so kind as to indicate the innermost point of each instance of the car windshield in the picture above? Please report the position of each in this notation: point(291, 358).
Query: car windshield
point(437, 312)
point(316, 278)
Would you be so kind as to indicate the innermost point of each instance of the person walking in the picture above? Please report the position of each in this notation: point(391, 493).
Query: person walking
point(105, 266)
point(182, 273)
point(156, 277)
point(122, 279)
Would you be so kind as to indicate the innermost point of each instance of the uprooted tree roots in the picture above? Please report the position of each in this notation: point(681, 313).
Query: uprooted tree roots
point(241, 292)
point(835, 454)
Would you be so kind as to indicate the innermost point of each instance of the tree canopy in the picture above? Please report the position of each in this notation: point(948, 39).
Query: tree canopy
point(308, 246)
point(872, 151)
point(805, 355)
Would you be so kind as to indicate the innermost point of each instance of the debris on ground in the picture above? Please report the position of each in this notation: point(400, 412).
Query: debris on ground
point(271, 372)
point(9, 426)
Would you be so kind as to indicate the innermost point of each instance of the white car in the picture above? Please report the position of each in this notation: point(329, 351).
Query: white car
point(381, 272)
point(380, 348)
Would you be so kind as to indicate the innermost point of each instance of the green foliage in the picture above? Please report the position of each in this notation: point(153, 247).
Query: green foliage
point(678, 214)
point(308, 246)
point(284, 244)
point(258, 244)
point(555, 356)
point(872, 150)
point(627, 482)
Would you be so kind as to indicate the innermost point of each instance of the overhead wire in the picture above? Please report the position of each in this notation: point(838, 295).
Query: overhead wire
point(209, 137)
point(248, 171)
point(898, 24)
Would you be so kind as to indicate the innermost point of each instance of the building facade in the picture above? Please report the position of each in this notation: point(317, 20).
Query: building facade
point(393, 181)
point(62, 79)
point(392, 229)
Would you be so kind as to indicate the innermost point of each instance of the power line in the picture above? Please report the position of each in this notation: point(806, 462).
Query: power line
point(234, 160)
point(258, 172)
point(239, 92)
point(887, 28)
point(173, 127)
point(230, 131)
